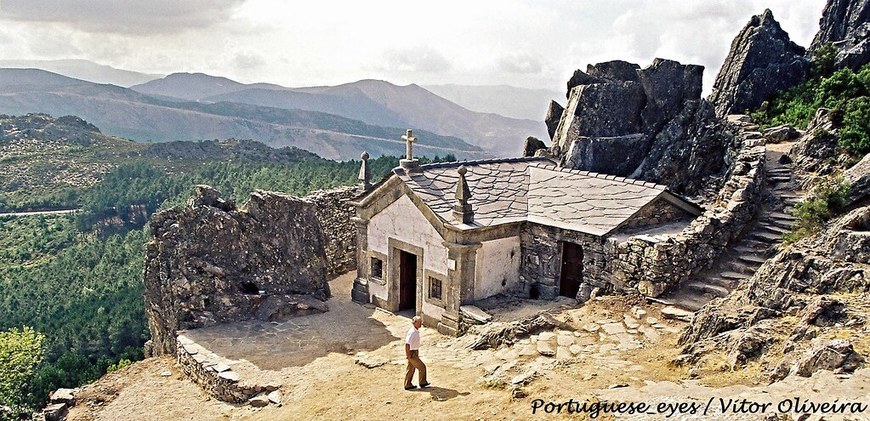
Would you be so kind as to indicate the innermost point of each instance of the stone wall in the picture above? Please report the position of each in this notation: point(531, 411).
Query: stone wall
point(541, 254)
point(656, 213)
point(653, 264)
point(214, 374)
point(334, 213)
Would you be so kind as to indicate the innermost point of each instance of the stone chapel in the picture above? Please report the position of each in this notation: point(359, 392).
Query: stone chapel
point(433, 238)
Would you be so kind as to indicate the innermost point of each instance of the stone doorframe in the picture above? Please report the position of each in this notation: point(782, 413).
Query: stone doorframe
point(394, 281)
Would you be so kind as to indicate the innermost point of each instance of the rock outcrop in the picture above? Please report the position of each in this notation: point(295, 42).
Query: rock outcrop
point(643, 123)
point(845, 24)
point(211, 262)
point(762, 61)
point(532, 145)
point(554, 113)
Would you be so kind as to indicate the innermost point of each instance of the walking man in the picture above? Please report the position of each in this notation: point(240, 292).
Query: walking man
point(412, 352)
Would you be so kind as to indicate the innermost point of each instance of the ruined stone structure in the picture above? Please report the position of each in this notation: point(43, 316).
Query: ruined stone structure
point(211, 262)
point(433, 238)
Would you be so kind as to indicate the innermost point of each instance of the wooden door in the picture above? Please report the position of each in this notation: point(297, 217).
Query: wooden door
point(407, 281)
point(572, 270)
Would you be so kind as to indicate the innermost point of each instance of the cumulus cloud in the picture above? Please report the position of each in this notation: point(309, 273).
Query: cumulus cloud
point(129, 17)
point(422, 59)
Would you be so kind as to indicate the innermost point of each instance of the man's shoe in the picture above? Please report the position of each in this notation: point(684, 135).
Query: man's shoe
point(412, 387)
point(422, 385)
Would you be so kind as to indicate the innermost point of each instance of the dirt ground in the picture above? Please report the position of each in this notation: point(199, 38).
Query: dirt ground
point(613, 362)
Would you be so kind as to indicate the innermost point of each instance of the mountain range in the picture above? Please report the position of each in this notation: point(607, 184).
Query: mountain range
point(371, 101)
point(336, 122)
point(130, 114)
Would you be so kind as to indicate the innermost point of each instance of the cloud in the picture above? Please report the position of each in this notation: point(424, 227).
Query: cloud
point(520, 63)
point(126, 17)
point(421, 59)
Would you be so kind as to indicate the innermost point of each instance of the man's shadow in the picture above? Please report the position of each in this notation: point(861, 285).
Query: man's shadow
point(441, 394)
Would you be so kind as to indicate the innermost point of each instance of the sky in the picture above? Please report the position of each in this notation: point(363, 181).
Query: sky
point(533, 44)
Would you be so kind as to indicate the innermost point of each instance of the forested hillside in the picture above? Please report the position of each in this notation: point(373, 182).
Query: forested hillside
point(77, 279)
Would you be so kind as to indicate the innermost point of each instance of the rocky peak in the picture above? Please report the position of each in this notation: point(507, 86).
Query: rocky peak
point(762, 61)
point(846, 25)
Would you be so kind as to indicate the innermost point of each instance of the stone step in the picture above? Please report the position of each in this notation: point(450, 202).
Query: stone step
point(751, 259)
point(767, 237)
point(737, 266)
point(709, 288)
point(736, 276)
point(475, 313)
point(781, 223)
point(773, 229)
point(676, 313)
point(744, 249)
point(780, 215)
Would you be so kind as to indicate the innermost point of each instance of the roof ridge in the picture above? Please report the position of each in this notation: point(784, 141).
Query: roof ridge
point(610, 177)
point(485, 161)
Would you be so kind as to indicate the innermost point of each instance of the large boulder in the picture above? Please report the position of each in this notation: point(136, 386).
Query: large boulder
point(210, 262)
point(762, 62)
point(845, 24)
point(646, 123)
point(554, 113)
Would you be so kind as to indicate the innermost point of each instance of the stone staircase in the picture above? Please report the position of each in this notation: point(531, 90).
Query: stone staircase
point(758, 242)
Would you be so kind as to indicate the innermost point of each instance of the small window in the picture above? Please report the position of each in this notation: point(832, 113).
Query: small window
point(377, 268)
point(434, 288)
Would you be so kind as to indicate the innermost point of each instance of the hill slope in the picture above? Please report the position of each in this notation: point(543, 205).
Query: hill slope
point(84, 70)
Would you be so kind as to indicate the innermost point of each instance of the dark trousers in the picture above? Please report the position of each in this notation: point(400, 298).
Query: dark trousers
point(414, 363)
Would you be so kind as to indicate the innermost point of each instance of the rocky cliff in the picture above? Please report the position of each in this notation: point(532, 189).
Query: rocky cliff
point(845, 24)
point(210, 262)
point(643, 123)
point(762, 61)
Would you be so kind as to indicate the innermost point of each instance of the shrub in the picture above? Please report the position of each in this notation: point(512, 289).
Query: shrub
point(20, 352)
point(827, 200)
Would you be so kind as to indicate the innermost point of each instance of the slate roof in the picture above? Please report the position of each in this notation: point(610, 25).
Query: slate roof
point(534, 189)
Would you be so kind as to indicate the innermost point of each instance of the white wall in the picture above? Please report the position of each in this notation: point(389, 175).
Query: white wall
point(497, 261)
point(403, 221)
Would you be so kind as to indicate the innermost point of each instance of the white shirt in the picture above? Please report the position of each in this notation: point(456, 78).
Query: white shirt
point(413, 338)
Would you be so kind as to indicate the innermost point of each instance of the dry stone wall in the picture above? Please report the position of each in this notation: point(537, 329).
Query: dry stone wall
point(653, 264)
point(334, 214)
point(214, 374)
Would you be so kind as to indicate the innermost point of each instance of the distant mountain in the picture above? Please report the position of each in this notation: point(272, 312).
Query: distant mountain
point(371, 101)
point(195, 86)
point(509, 101)
point(123, 112)
point(84, 70)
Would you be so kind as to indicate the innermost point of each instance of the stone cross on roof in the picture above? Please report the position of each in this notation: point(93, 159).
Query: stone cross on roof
point(409, 139)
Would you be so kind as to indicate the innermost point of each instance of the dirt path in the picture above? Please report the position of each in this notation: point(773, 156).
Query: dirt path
point(33, 213)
